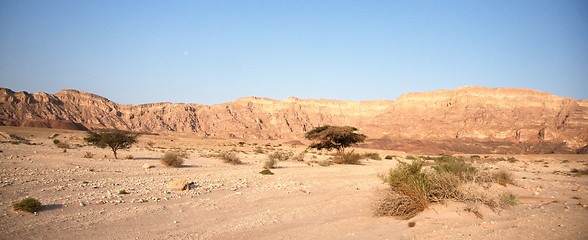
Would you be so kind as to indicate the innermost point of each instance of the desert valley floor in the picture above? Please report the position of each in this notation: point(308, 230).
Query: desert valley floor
point(302, 200)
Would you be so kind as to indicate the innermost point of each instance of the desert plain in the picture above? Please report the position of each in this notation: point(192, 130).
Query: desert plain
point(302, 200)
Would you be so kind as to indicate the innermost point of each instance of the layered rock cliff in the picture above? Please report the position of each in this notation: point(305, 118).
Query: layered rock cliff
point(467, 114)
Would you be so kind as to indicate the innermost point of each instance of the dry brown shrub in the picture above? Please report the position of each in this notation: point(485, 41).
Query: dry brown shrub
point(503, 177)
point(397, 205)
point(230, 157)
point(445, 186)
point(172, 159)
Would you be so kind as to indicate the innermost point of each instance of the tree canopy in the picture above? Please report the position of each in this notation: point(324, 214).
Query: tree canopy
point(337, 137)
point(115, 139)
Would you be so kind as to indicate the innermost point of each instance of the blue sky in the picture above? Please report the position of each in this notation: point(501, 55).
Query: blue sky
point(216, 51)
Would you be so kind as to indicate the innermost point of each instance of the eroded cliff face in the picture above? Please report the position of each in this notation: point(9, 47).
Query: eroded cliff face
point(487, 114)
point(465, 114)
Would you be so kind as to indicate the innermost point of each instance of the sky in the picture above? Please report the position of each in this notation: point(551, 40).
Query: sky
point(211, 52)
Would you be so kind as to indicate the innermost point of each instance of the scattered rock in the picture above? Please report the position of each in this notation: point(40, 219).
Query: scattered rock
point(179, 185)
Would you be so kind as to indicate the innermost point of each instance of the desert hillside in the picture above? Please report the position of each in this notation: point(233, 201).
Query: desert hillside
point(467, 119)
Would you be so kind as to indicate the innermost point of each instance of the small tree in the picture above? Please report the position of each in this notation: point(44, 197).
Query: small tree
point(338, 137)
point(115, 139)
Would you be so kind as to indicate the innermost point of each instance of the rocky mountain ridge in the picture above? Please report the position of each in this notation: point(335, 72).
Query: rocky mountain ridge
point(465, 115)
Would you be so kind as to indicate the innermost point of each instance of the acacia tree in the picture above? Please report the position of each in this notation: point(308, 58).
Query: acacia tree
point(338, 137)
point(114, 139)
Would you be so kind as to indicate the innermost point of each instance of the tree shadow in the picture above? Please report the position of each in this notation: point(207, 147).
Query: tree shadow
point(190, 166)
point(50, 207)
point(146, 158)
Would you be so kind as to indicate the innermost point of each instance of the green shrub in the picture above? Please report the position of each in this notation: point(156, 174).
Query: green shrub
point(172, 159)
point(230, 157)
point(457, 166)
point(347, 158)
point(123, 192)
point(28, 205)
point(408, 179)
point(372, 155)
point(266, 172)
point(56, 141)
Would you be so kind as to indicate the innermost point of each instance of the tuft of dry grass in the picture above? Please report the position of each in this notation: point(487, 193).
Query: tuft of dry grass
point(229, 157)
point(508, 199)
point(88, 155)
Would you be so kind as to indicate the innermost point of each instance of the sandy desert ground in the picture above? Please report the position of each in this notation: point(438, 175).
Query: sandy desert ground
point(301, 201)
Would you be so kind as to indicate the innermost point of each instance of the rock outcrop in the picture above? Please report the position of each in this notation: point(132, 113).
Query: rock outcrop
point(467, 114)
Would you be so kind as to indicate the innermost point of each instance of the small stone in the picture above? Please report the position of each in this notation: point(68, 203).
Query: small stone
point(82, 204)
point(175, 221)
point(147, 166)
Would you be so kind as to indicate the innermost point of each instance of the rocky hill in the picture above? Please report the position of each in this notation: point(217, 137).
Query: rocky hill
point(467, 119)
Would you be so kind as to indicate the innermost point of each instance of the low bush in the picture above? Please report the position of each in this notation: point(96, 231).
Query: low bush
point(410, 157)
point(129, 156)
point(393, 204)
point(508, 199)
point(28, 205)
point(172, 159)
point(413, 186)
point(579, 172)
point(230, 157)
point(123, 192)
point(62, 145)
point(259, 150)
point(444, 185)
point(347, 158)
point(280, 156)
point(270, 164)
point(389, 157)
point(372, 155)
point(408, 179)
point(299, 157)
point(503, 177)
point(455, 165)
point(324, 163)
point(266, 172)
point(88, 155)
